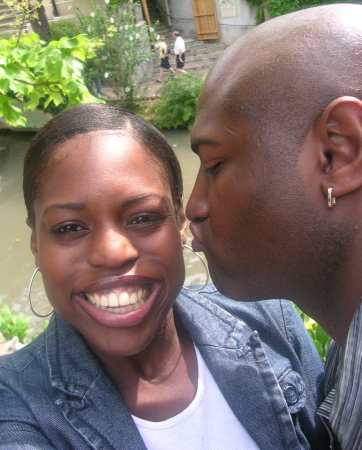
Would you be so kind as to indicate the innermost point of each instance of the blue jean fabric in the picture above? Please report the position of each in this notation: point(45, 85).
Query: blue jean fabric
point(55, 394)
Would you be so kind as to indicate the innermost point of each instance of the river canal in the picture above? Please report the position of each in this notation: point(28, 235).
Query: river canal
point(16, 260)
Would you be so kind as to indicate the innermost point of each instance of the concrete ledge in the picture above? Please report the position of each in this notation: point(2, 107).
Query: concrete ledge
point(35, 120)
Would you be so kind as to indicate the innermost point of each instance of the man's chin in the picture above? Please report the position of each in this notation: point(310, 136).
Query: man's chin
point(234, 289)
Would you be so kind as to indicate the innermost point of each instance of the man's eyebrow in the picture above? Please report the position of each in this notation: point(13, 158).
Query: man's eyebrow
point(197, 143)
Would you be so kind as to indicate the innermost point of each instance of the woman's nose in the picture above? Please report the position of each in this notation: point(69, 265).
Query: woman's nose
point(197, 208)
point(111, 248)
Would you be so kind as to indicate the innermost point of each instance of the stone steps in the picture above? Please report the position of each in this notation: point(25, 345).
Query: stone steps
point(200, 55)
point(7, 20)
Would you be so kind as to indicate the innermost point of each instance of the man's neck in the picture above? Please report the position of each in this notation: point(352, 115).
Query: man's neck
point(335, 318)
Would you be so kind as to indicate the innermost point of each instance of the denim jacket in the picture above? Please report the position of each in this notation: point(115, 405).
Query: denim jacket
point(55, 394)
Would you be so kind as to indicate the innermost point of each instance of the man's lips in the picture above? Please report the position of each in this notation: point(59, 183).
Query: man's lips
point(196, 242)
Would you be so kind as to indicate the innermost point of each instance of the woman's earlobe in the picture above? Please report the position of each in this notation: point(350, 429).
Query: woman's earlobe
point(183, 227)
point(33, 243)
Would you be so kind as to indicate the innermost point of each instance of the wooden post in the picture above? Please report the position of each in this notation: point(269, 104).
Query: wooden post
point(145, 11)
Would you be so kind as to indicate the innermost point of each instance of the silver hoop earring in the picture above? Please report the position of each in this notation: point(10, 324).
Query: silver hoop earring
point(331, 200)
point(205, 267)
point(29, 295)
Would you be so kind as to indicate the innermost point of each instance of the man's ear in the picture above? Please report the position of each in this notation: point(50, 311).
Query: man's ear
point(33, 241)
point(340, 131)
point(183, 227)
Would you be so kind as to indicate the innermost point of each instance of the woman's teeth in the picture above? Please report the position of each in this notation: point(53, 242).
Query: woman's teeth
point(118, 301)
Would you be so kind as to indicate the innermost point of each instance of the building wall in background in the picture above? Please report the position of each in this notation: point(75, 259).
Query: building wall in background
point(235, 18)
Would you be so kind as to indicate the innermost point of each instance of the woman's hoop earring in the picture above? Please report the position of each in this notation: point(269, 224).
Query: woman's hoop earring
point(331, 200)
point(29, 295)
point(206, 269)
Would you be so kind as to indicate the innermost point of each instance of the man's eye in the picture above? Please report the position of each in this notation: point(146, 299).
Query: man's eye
point(213, 169)
point(68, 228)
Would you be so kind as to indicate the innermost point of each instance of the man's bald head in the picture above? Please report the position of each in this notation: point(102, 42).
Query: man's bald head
point(290, 68)
point(279, 124)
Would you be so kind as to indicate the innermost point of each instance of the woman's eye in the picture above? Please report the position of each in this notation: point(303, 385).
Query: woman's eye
point(145, 219)
point(211, 170)
point(68, 228)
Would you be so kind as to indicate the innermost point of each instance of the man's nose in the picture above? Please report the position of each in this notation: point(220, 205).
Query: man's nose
point(111, 248)
point(197, 208)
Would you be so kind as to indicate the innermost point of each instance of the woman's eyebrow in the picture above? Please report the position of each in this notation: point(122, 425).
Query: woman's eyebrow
point(71, 206)
point(141, 198)
point(80, 206)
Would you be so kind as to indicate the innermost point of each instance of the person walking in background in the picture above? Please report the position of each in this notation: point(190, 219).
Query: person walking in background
point(179, 51)
point(164, 55)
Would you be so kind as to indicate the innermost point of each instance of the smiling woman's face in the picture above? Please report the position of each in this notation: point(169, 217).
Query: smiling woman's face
point(107, 240)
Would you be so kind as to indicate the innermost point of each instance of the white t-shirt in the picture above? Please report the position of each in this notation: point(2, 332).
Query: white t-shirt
point(179, 45)
point(207, 423)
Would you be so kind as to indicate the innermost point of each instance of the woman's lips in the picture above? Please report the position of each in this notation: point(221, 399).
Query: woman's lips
point(119, 302)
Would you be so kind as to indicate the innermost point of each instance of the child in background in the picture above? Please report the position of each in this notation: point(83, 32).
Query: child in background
point(164, 55)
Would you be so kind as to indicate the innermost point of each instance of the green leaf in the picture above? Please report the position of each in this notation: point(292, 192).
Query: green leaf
point(56, 98)
point(4, 84)
point(30, 39)
point(33, 102)
point(11, 113)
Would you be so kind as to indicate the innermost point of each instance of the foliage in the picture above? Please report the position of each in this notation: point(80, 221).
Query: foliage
point(320, 338)
point(117, 3)
point(267, 9)
point(125, 52)
point(64, 28)
point(12, 324)
point(175, 107)
point(42, 74)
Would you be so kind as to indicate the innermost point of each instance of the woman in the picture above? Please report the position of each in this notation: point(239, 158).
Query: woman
point(165, 56)
point(118, 367)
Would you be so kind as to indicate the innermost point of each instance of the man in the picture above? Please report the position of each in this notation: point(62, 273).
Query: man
point(276, 207)
point(179, 51)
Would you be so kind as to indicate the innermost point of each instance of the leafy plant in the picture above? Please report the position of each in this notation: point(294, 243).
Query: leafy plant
point(175, 106)
point(267, 9)
point(37, 73)
point(320, 338)
point(64, 28)
point(12, 324)
point(125, 54)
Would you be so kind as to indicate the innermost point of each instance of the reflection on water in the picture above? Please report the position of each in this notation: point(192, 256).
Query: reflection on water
point(16, 260)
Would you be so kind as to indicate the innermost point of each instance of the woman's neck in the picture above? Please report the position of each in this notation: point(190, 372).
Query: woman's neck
point(161, 380)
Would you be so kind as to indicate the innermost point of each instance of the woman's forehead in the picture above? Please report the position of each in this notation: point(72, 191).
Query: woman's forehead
point(109, 159)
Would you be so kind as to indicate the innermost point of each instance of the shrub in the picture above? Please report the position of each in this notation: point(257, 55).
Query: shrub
point(126, 52)
point(175, 107)
point(267, 9)
point(12, 324)
point(63, 28)
point(320, 338)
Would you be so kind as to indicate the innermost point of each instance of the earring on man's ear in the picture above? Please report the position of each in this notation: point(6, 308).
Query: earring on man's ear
point(29, 295)
point(331, 200)
point(205, 267)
